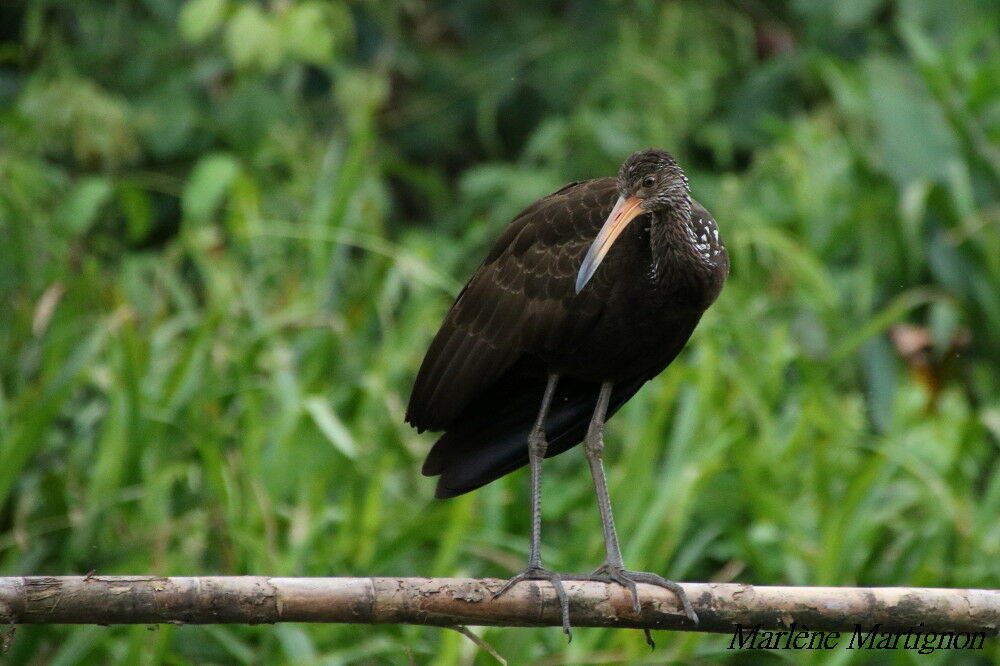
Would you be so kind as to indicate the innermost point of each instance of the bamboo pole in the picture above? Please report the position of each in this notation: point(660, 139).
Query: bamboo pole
point(467, 601)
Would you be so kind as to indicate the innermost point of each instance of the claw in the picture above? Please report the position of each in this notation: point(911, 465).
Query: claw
point(627, 579)
point(655, 579)
point(538, 573)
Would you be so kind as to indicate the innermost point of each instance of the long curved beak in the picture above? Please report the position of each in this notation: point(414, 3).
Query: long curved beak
point(625, 211)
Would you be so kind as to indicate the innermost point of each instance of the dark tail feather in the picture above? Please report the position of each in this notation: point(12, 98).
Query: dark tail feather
point(487, 444)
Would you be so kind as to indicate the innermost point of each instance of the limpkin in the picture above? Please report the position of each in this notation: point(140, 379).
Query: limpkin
point(587, 294)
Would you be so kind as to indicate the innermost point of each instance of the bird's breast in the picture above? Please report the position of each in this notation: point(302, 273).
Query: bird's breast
point(651, 298)
point(637, 333)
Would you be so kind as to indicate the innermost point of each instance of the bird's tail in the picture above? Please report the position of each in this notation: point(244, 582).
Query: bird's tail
point(491, 438)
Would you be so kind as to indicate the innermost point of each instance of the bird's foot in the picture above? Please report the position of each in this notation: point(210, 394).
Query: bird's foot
point(617, 574)
point(540, 573)
point(627, 579)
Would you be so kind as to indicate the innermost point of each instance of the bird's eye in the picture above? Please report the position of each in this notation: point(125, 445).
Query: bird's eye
point(648, 181)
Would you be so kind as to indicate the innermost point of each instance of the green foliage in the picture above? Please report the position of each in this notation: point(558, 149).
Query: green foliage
point(228, 230)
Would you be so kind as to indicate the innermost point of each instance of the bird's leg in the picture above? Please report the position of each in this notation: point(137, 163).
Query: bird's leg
point(613, 569)
point(536, 454)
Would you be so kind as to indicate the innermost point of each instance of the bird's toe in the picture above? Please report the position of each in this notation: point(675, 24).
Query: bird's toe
point(540, 573)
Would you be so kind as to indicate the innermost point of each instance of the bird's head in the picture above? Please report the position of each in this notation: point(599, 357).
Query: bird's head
point(649, 181)
point(655, 180)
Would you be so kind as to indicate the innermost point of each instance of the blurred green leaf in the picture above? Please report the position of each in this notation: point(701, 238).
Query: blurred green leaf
point(914, 136)
point(252, 38)
point(360, 93)
point(79, 210)
point(77, 117)
point(944, 323)
point(330, 425)
point(137, 208)
point(199, 18)
point(208, 185)
point(880, 376)
point(169, 119)
point(307, 33)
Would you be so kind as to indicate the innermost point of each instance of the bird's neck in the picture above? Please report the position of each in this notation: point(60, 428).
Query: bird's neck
point(682, 251)
point(668, 237)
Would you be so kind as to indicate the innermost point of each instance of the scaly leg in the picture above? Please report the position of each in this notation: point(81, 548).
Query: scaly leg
point(536, 454)
point(613, 569)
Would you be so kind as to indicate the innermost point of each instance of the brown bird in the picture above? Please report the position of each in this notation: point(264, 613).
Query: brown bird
point(587, 294)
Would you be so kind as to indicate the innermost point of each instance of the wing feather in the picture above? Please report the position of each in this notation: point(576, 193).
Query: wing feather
point(516, 303)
